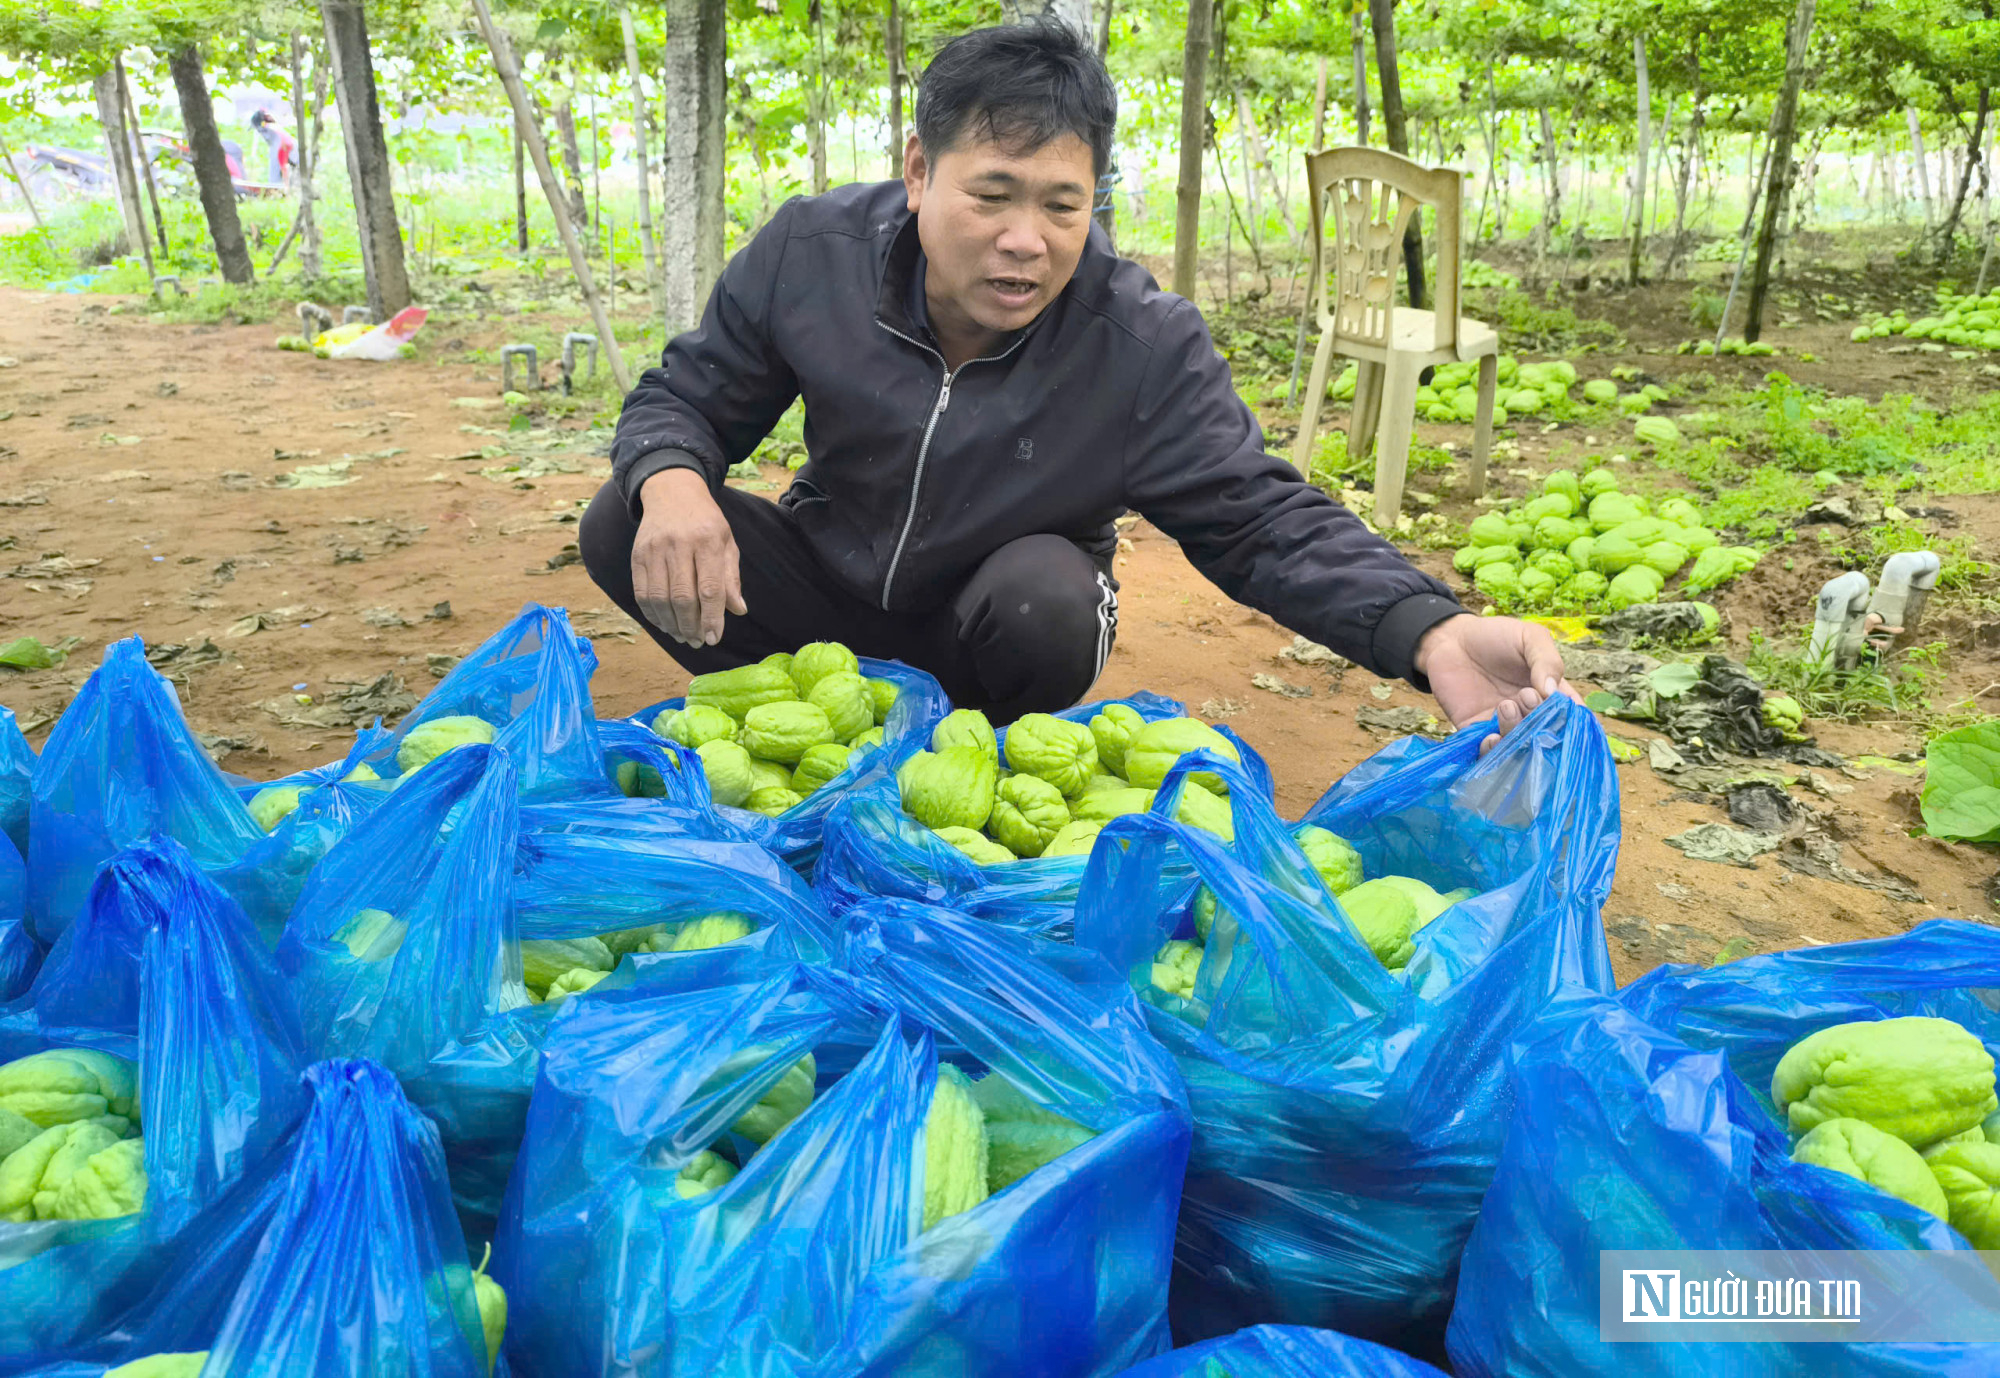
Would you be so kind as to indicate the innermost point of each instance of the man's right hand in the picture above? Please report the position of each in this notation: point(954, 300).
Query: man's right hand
point(684, 573)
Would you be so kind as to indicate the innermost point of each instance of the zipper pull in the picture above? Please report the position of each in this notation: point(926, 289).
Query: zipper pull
point(944, 394)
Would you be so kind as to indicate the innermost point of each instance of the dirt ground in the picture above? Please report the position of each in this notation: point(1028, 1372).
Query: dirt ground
point(141, 473)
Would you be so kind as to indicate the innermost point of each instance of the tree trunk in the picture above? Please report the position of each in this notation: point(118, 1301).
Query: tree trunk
point(691, 168)
point(143, 158)
point(1106, 211)
point(111, 114)
point(642, 155)
point(1251, 200)
point(1194, 130)
point(893, 32)
point(1104, 31)
point(1923, 167)
point(1784, 127)
point(1382, 16)
point(211, 166)
point(520, 192)
point(1360, 45)
point(1949, 232)
point(1489, 133)
point(816, 103)
point(1639, 174)
point(538, 149)
point(21, 183)
point(307, 155)
point(1690, 146)
point(1319, 109)
point(367, 157)
point(572, 162)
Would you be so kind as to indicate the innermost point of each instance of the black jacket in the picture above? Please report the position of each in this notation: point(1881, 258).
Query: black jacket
point(1113, 399)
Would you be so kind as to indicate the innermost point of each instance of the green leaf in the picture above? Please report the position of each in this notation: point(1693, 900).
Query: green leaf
point(29, 654)
point(1604, 701)
point(521, 422)
point(1672, 680)
point(1961, 798)
point(549, 30)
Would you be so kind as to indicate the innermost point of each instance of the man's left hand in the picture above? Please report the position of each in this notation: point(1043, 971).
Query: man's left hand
point(1491, 665)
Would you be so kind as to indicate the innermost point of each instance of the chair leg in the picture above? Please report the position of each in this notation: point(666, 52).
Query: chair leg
point(1482, 425)
point(1367, 413)
point(1302, 447)
point(1392, 455)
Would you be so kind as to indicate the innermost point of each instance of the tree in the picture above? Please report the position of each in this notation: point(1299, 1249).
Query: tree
point(1194, 133)
point(1382, 16)
point(211, 165)
point(1784, 129)
point(367, 156)
point(691, 163)
point(111, 114)
point(644, 155)
point(1639, 172)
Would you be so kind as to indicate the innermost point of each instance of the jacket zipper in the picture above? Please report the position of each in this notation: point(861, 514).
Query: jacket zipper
point(924, 446)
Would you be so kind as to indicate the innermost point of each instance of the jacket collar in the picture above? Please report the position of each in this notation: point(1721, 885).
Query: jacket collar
point(899, 268)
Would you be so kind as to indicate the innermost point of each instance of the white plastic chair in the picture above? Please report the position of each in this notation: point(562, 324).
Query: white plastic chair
point(1371, 195)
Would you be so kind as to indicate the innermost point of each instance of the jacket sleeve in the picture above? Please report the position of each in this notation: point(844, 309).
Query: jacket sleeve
point(719, 388)
point(1196, 468)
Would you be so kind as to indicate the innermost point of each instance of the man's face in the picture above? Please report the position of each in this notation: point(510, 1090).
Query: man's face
point(1002, 229)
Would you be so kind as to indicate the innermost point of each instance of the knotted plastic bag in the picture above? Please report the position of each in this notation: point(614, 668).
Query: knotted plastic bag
point(121, 765)
point(17, 770)
point(1347, 1117)
point(1284, 1351)
point(796, 833)
point(812, 1259)
point(873, 848)
point(528, 688)
point(338, 1256)
point(1644, 1121)
point(163, 970)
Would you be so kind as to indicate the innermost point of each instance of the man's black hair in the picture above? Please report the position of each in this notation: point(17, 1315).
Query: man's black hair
point(1020, 85)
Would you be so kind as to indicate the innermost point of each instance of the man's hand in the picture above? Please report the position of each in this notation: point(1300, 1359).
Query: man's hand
point(1497, 665)
point(684, 572)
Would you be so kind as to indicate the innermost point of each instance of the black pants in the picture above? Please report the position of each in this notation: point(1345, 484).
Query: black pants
point(1028, 633)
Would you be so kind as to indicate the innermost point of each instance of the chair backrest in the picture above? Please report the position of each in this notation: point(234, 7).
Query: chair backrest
point(1371, 195)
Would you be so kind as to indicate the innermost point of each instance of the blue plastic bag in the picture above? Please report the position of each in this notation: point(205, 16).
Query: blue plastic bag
point(121, 765)
point(1347, 1118)
point(339, 1256)
point(875, 849)
point(20, 958)
point(1644, 1121)
point(1284, 1351)
point(795, 834)
point(163, 970)
point(810, 1260)
point(531, 682)
point(17, 771)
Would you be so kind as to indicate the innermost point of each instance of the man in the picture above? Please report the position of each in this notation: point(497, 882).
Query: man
point(986, 386)
point(283, 147)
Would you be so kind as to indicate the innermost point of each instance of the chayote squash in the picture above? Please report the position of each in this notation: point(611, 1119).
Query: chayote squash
point(1198, 808)
point(707, 1171)
point(953, 788)
point(1385, 917)
point(1027, 814)
point(1614, 553)
point(1113, 728)
point(783, 732)
point(63, 1085)
point(1664, 557)
point(872, 737)
point(1553, 563)
point(1917, 1077)
point(57, 1175)
point(1884, 1161)
point(1062, 752)
point(966, 727)
point(978, 848)
point(1158, 745)
point(427, 741)
point(845, 700)
point(952, 1148)
point(1611, 510)
point(772, 800)
point(730, 772)
point(1536, 586)
point(819, 766)
point(1103, 805)
point(272, 806)
point(1717, 565)
point(1564, 481)
point(544, 959)
point(1075, 838)
point(1332, 856)
point(1596, 483)
point(1175, 966)
point(816, 660)
point(1584, 586)
point(695, 724)
point(738, 691)
point(1969, 1175)
point(768, 775)
point(882, 696)
point(1639, 584)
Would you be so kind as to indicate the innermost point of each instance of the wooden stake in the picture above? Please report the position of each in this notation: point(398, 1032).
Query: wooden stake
point(145, 158)
point(22, 182)
point(538, 149)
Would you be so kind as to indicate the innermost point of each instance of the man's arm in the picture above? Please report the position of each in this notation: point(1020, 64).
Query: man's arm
point(720, 387)
point(1196, 468)
point(716, 394)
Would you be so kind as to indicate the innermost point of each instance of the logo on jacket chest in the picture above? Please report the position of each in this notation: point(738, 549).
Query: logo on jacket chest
point(1024, 448)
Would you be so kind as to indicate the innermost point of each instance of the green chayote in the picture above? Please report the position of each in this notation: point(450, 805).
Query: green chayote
point(953, 788)
point(978, 848)
point(783, 732)
point(816, 660)
point(738, 691)
point(772, 800)
point(1156, 746)
point(1884, 1161)
point(695, 724)
point(1074, 838)
point(1027, 815)
point(427, 741)
point(819, 766)
point(1103, 805)
point(966, 727)
point(1113, 728)
point(62, 1085)
point(1385, 917)
point(845, 700)
point(1919, 1078)
point(1969, 1175)
point(727, 766)
point(1062, 752)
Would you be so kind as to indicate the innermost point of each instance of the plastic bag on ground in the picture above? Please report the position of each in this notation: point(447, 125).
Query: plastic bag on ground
point(1643, 1121)
point(17, 772)
point(530, 683)
point(385, 342)
point(796, 833)
point(1284, 1351)
point(811, 1260)
point(875, 849)
point(121, 765)
point(163, 970)
point(1347, 1117)
point(338, 1256)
